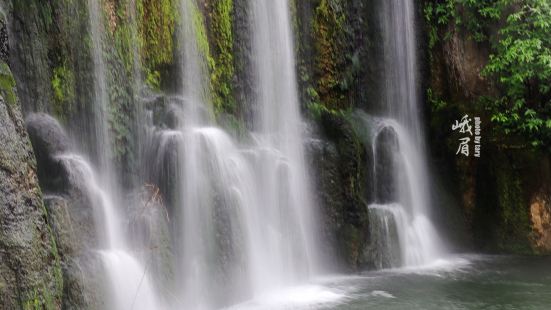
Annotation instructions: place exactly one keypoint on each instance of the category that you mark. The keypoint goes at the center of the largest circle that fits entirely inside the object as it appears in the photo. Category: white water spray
(400, 212)
(284, 182)
(130, 283)
(129, 280)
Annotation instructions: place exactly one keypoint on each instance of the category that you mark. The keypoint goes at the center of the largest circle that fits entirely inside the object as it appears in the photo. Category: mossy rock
(30, 270)
(7, 84)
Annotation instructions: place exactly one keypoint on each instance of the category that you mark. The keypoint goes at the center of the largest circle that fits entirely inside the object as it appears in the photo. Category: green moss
(40, 299)
(33, 302)
(63, 83)
(156, 24)
(436, 103)
(222, 72)
(7, 84)
(153, 79)
(514, 227)
(58, 274)
(119, 57)
(201, 35)
(48, 295)
(329, 33)
(203, 44)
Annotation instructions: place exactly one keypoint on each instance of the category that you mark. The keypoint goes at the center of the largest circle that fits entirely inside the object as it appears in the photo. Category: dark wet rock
(164, 150)
(154, 105)
(46, 134)
(243, 61)
(49, 140)
(172, 111)
(29, 53)
(386, 150)
(84, 279)
(4, 44)
(324, 160)
(172, 116)
(30, 274)
(69, 203)
(340, 170)
(83, 271)
(383, 249)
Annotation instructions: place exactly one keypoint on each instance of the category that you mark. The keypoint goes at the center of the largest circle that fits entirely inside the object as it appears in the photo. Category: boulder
(48, 140)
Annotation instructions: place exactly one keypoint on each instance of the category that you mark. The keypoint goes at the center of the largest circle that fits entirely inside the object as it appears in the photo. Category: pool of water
(460, 282)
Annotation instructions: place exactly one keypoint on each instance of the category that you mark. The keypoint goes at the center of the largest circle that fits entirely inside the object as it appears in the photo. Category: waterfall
(129, 280)
(399, 212)
(207, 182)
(284, 182)
(243, 212)
(130, 283)
(140, 133)
(101, 97)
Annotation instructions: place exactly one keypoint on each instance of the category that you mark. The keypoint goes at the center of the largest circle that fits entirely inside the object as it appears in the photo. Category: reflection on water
(462, 282)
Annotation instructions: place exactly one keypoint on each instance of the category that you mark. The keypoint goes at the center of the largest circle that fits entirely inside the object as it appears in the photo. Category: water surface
(462, 282)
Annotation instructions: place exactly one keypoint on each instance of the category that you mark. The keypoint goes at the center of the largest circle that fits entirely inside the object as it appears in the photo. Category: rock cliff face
(30, 274)
(540, 213)
(503, 194)
(69, 205)
(339, 163)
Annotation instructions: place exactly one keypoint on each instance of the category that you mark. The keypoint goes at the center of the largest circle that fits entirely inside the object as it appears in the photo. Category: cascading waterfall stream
(284, 180)
(196, 249)
(244, 219)
(139, 102)
(208, 184)
(402, 217)
(101, 97)
(400, 208)
(129, 280)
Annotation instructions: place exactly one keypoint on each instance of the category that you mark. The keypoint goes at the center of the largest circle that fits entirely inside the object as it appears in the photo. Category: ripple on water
(384, 294)
(299, 297)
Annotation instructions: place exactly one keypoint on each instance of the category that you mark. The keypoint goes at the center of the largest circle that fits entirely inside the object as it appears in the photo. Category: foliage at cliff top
(520, 60)
(522, 64)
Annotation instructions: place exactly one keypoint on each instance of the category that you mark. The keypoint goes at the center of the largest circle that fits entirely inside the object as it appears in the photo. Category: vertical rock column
(30, 276)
